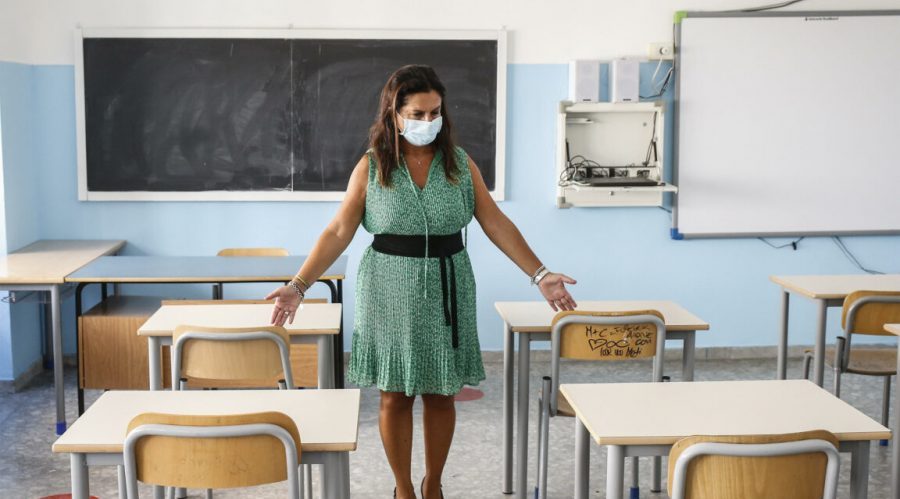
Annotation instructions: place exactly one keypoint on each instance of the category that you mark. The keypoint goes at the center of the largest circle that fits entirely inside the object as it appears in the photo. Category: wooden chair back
(253, 252)
(866, 312)
(212, 463)
(304, 358)
(256, 362)
(797, 476)
(585, 340)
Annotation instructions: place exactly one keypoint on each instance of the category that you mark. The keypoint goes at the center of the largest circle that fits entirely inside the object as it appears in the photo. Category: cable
(766, 7)
(651, 147)
(792, 244)
(840, 244)
(664, 87)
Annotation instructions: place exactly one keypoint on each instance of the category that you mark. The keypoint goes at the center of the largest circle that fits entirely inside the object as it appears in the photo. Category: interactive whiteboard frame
(881, 219)
(277, 33)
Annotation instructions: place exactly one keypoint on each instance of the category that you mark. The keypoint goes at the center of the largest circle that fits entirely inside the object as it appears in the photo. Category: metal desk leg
(782, 340)
(895, 442)
(819, 363)
(687, 356)
(79, 470)
(78, 289)
(344, 458)
(325, 364)
(859, 470)
(522, 416)
(56, 333)
(582, 460)
(615, 471)
(507, 409)
(337, 296)
(154, 359)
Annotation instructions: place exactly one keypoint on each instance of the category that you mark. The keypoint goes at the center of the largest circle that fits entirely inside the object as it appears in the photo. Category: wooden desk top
(199, 269)
(50, 261)
(328, 420)
(663, 413)
(824, 287)
(892, 328)
(536, 316)
(315, 318)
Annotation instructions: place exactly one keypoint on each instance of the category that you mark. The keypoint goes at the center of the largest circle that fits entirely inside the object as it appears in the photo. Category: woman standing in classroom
(414, 329)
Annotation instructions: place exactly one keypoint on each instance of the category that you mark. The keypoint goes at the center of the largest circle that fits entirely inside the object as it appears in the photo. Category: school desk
(328, 421)
(531, 320)
(316, 323)
(646, 419)
(827, 291)
(207, 269)
(43, 266)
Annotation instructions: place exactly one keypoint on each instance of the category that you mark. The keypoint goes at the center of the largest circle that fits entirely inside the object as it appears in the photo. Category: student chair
(304, 357)
(212, 452)
(790, 466)
(598, 336)
(864, 312)
(204, 356)
(218, 288)
(259, 357)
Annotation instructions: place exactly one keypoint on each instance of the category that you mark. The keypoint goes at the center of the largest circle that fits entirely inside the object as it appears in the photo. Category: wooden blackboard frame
(84, 194)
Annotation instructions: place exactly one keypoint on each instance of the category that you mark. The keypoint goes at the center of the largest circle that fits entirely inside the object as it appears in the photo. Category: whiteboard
(788, 124)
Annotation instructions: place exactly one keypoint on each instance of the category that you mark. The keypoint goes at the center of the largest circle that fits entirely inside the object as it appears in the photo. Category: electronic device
(624, 80)
(584, 81)
(620, 182)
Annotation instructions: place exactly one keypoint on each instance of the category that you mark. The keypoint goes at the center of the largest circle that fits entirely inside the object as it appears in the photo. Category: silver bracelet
(293, 285)
(542, 273)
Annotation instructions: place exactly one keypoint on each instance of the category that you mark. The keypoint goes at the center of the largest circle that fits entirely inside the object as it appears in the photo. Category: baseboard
(22, 380)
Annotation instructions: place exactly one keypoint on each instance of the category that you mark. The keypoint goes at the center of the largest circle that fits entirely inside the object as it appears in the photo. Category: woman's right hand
(287, 301)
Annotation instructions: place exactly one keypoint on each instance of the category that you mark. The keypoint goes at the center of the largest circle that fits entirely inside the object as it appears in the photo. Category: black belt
(442, 247)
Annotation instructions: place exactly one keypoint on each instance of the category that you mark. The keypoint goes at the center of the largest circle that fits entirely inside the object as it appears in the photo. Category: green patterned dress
(400, 340)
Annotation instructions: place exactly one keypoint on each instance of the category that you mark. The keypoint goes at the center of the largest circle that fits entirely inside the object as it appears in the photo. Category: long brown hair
(384, 138)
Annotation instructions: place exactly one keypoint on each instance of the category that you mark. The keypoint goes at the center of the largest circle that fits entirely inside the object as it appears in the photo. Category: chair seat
(870, 361)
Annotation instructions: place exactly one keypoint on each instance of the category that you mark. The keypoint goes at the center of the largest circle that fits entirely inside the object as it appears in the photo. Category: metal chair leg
(308, 485)
(886, 407)
(543, 438)
(807, 360)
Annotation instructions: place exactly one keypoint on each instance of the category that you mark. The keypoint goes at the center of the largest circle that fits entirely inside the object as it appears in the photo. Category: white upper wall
(540, 31)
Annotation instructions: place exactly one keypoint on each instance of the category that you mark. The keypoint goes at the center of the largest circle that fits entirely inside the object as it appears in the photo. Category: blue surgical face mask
(421, 133)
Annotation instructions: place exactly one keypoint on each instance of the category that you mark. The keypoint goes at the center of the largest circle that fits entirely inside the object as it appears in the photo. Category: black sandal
(422, 489)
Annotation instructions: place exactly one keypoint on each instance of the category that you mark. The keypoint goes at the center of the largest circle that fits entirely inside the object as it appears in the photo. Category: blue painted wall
(615, 253)
(20, 344)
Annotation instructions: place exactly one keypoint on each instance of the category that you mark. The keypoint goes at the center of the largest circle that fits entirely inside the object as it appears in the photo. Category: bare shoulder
(359, 178)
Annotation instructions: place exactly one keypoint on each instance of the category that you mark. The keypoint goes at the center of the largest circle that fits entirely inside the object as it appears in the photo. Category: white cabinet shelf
(623, 140)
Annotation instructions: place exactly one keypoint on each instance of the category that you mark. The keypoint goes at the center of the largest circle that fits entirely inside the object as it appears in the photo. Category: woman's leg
(395, 423)
(439, 418)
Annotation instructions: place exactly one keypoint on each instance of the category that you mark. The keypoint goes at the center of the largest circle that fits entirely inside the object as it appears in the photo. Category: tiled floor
(29, 470)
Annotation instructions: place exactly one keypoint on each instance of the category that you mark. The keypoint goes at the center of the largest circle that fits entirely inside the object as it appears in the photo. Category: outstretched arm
(332, 242)
(506, 236)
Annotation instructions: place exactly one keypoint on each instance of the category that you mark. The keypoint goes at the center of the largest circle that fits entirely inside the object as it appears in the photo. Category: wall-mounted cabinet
(610, 154)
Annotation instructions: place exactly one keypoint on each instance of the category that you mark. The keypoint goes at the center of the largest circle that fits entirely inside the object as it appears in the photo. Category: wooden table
(826, 291)
(315, 323)
(646, 419)
(531, 320)
(895, 449)
(208, 269)
(328, 421)
(43, 266)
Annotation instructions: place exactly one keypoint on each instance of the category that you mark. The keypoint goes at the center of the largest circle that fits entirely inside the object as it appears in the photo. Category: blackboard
(183, 115)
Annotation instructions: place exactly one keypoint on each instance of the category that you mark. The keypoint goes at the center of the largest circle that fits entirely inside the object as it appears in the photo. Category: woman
(414, 328)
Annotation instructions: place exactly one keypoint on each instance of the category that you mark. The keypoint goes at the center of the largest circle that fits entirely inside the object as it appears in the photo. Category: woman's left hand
(553, 287)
